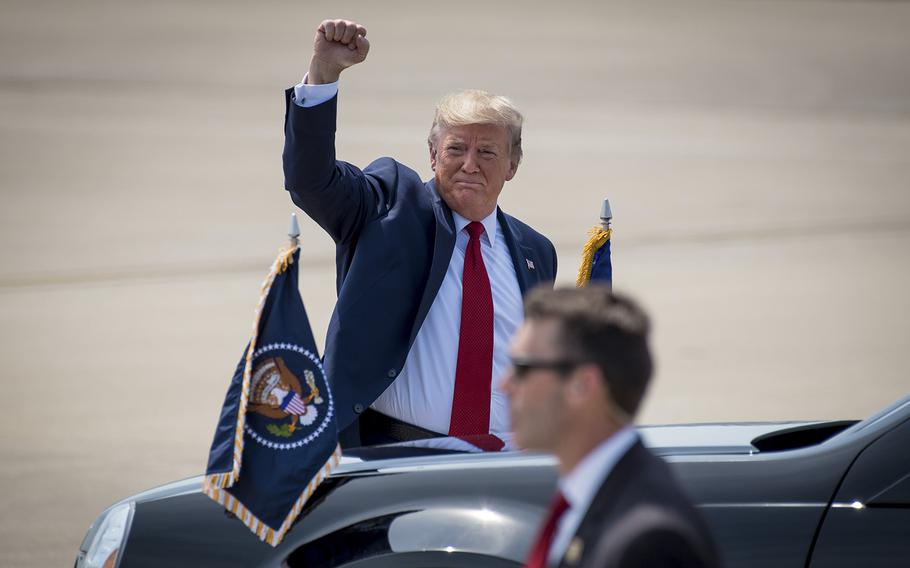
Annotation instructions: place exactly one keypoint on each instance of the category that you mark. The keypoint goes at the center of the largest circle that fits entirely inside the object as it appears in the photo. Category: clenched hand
(338, 45)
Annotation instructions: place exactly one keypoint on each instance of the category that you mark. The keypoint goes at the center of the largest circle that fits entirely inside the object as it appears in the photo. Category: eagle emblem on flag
(277, 394)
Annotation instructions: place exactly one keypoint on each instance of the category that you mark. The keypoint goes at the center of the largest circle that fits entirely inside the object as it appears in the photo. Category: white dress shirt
(581, 484)
(422, 393)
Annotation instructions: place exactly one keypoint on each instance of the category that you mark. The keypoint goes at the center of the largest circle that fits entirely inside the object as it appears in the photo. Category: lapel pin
(530, 264)
(573, 553)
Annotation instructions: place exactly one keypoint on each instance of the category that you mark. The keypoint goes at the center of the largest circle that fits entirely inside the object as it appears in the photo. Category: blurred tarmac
(756, 154)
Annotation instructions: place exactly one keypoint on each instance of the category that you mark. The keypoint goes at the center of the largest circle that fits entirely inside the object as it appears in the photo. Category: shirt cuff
(307, 96)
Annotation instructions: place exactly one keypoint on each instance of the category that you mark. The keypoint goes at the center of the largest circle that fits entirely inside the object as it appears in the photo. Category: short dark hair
(601, 327)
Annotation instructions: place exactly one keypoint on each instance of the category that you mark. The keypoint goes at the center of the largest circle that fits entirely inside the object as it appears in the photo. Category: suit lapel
(593, 523)
(443, 245)
(523, 258)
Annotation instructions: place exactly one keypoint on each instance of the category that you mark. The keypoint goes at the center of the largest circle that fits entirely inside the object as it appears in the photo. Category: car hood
(663, 440)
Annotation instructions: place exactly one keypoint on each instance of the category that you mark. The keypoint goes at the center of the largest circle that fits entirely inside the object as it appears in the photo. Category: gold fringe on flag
(597, 237)
(260, 529)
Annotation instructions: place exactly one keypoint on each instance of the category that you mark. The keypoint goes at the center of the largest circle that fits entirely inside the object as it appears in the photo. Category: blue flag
(596, 264)
(277, 438)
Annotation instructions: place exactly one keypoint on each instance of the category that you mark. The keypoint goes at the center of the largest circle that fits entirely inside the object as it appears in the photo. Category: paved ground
(755, 152)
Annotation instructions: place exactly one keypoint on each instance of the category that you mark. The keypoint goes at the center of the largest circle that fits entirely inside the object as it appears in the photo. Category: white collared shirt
(581, 484)
(422, 393)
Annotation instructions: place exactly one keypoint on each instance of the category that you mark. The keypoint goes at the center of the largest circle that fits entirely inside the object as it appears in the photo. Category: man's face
(536, 396)
(472, 163)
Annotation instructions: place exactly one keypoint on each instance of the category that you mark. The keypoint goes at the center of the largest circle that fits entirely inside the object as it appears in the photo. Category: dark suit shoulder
(663, 542)
(387, 164)
(641, 516)
(652, 482)
(393, 177)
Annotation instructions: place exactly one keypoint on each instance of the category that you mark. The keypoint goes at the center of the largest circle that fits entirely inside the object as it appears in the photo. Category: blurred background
(756, 154)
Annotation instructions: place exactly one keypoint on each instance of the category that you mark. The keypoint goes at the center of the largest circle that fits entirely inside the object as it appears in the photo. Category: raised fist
(338, 45)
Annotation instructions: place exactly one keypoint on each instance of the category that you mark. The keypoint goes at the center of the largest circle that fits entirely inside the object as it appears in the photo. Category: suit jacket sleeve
(335, 194)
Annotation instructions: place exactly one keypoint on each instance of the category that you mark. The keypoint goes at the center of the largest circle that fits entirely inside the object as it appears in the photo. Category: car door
(868, 523)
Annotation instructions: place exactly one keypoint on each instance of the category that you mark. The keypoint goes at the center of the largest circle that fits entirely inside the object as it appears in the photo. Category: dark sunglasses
(523, 366)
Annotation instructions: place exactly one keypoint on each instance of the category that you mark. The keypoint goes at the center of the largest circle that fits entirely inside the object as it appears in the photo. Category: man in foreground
(430, 275)
(580, 367)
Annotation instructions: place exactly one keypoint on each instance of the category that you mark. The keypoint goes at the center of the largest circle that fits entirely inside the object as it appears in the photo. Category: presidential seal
(287, 407)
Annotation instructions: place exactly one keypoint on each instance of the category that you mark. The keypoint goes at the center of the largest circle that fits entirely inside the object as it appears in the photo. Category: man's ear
(432, 155)
(513, 168)
(582, 384)
(617, 414)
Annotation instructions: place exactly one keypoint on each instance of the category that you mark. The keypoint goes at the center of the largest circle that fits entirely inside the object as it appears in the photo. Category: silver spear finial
(606, 215)
(294, 230)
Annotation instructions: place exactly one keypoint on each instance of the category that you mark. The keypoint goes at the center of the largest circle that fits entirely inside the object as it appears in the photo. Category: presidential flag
(596, 264)
(277, 438)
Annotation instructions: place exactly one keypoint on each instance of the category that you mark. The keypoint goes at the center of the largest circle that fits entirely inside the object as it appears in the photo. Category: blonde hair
(478, 107)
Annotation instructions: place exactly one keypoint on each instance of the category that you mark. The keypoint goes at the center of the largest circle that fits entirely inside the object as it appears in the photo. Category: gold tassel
(285, 259)
(597, 237)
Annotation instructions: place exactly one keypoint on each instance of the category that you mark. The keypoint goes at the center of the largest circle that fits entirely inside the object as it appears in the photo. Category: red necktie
(541, 550)
(474, 370)
(485, 442)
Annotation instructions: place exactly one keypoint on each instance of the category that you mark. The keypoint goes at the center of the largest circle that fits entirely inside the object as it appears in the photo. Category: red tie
(474, 371)
(485, 442)
(541, 550)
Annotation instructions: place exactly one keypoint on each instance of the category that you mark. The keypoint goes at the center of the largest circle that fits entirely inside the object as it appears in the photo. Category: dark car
(831, 494)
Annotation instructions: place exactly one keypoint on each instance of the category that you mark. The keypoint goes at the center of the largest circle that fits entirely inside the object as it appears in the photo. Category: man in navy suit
(580, 367)
(430, 275)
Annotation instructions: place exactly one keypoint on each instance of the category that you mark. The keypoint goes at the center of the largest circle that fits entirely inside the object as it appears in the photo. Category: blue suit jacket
(394, 238)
